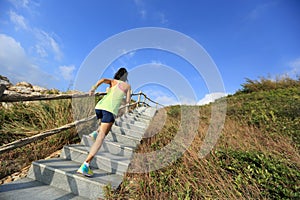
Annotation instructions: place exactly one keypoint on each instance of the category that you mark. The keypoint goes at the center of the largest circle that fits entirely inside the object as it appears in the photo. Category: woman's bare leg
(103, 130)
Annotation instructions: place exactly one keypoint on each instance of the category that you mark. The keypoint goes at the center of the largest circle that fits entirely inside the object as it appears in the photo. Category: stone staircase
(57, 178)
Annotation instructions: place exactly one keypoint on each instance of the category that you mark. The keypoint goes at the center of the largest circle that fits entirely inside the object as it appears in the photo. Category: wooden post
(139, 99)
(144, 100)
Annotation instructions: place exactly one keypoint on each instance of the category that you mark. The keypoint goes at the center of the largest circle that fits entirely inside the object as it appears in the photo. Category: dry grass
(191, 177)
(21, 120)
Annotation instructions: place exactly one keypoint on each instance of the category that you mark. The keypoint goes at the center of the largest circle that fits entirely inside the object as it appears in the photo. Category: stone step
(57, 178)
(102, 160)
(129, 117)
(116, 148)
(61, 173)
(28, 188)
(129, 132)
(139, 115)
(143, 124)
(130, 126)
(148, 111)
(124, 139)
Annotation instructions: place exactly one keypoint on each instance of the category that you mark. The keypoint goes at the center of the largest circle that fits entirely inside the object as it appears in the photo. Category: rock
(38, 89)
(36, 94)
(4, 81)
(24, 84)
(9, 92)
(2, 89)
(21, 89)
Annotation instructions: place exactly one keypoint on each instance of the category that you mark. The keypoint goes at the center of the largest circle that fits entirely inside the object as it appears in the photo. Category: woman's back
(115, 94)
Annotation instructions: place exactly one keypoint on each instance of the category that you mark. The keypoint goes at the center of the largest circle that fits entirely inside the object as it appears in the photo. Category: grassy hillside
(257, 156)
(21, 120)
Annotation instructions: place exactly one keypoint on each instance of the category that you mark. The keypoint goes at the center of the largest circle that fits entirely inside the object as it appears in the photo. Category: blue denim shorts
(105, 116)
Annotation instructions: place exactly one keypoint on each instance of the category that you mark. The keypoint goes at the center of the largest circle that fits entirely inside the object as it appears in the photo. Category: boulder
(21, 89)
(39, 89)
(24, 84)
(2, 89)
(4, 81)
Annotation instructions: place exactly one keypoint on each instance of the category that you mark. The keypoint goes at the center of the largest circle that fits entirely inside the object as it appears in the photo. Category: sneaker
(93, 135)
(85, 170)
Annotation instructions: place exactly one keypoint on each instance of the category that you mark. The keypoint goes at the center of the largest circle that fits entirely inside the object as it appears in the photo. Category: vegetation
(256, 157)
(19, 120)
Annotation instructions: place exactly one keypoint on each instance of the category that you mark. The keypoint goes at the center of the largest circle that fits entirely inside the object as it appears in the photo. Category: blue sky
(48, 42)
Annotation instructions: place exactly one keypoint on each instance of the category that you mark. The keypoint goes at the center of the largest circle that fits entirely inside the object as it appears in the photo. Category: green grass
(256, 157)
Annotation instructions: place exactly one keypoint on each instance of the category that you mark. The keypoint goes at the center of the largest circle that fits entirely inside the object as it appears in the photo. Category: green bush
(276, 179)
(266, 84)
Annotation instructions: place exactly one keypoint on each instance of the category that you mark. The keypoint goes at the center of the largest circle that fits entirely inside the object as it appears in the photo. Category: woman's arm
(128, 96)
(94, 87)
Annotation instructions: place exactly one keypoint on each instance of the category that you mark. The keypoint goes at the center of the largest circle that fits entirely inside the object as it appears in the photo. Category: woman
(106, 111)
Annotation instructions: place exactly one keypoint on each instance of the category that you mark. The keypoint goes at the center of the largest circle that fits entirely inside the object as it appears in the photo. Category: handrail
(27, 140)
(18, 97)
(146, 97)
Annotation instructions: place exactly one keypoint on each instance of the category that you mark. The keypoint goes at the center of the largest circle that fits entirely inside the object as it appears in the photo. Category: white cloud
(20, 3)
(162, 18)
(295, 67)
(40, 50)
(67, 72)
(26, 5)
(259, 10)
(166, 100)
(12, 53)
(44, 43)
(156, 63)
(211, 98)
(16, 65)
(18, 20)
(144, 13)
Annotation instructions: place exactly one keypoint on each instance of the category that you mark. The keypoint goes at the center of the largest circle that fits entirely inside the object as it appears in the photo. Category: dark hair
(121, 74)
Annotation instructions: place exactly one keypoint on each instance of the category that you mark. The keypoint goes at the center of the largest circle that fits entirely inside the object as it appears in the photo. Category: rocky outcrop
(23, 88)
(4, 81)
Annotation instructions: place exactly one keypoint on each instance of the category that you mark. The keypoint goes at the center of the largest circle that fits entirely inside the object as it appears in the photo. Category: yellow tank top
(112, 100)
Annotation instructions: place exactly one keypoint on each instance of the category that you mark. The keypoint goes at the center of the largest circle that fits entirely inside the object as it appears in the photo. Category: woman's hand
(91, 92)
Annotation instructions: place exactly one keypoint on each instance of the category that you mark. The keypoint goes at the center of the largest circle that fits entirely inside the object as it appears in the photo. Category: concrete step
(129, 132)
(124, 139)
(102, 160)
(28, 188)
(57, 178)
(130, 126)
(139, 115)
(148, 111)
(143, 124)
(128, 117)
(116, 148)
(61, 173)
